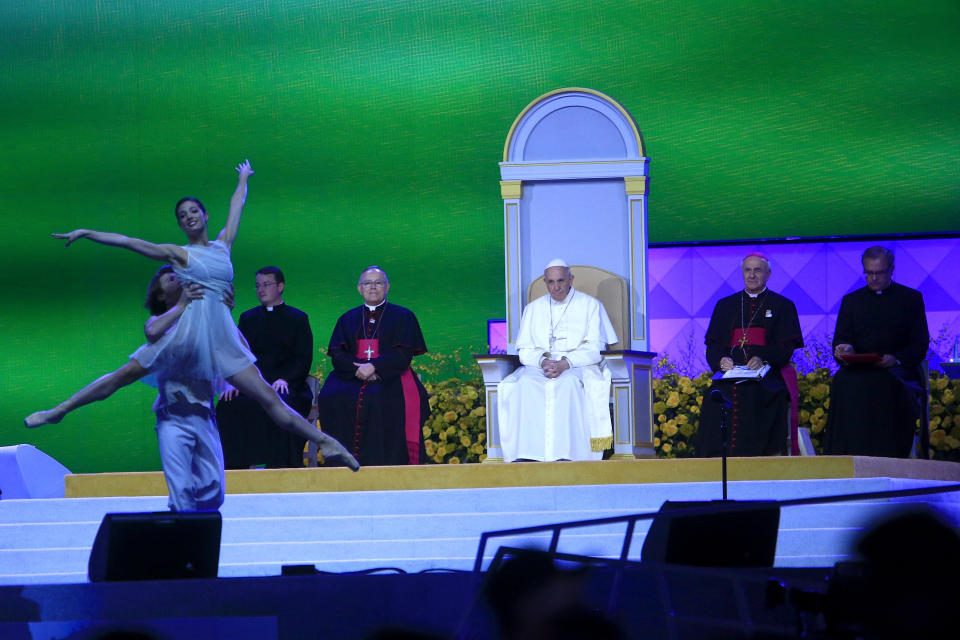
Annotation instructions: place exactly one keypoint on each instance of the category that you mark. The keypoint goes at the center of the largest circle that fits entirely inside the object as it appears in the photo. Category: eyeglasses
(875, 274)
(372, 283)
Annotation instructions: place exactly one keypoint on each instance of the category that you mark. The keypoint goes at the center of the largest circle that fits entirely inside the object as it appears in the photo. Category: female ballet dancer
(205, 344)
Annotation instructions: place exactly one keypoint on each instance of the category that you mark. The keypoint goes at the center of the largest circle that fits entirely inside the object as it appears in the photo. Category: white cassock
(568, 417)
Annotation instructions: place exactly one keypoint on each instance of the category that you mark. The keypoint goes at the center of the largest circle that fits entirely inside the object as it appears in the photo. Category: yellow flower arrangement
(456, 430)
(944, 417)
(676, 410)
(677, 400)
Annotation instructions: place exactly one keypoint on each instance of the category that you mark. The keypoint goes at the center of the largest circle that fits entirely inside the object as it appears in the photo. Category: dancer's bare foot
(331, 448)
(40, 418)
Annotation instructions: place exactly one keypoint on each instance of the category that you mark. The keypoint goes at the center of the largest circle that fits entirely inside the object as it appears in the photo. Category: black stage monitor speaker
(156, 546)
(725, 533)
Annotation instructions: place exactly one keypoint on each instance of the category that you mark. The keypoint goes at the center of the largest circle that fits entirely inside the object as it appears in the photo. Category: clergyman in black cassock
(874, 406)
(752, 327)
(280, 337)
(372, 401)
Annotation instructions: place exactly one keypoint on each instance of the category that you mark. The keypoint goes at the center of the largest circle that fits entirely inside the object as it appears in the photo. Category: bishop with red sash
(752, 328)
(372, 402)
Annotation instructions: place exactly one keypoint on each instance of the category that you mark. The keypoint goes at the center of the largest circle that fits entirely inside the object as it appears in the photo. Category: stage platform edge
(528, 474)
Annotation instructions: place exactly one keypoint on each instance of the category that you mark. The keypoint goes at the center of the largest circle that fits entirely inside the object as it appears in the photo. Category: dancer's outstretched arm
(162, 252)
(239, 198)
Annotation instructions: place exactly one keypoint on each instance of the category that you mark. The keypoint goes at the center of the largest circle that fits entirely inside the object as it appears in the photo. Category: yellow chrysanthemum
(667, 447)
(673, 399)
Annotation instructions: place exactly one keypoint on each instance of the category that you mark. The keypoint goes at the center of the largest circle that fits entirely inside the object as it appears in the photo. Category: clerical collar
(565, 300)
(754, 295)
(269, 309)
(372, 309)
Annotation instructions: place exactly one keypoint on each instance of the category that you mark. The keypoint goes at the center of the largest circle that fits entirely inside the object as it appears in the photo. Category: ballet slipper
(40, 418)
(331, 448)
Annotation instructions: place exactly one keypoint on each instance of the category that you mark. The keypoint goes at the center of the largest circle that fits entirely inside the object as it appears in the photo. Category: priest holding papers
(557, 405)
(880, 340)
(752, 336)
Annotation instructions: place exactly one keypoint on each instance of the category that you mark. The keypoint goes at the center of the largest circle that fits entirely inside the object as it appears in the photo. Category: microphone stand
(723, 448)
(717, 396)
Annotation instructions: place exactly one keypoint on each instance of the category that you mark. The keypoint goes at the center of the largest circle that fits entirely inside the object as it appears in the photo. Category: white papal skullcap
(556, 262)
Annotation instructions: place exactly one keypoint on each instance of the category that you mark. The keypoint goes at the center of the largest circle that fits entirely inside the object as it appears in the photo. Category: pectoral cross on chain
(743, 338)
(369, 352)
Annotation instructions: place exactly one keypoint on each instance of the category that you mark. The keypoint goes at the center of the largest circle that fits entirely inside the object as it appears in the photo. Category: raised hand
(71, 237)
(244, 168)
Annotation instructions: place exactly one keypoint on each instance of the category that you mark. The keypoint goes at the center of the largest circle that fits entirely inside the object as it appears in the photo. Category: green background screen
(375, 129)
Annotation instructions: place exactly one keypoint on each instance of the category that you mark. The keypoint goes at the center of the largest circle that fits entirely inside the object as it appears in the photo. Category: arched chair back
(609, 288)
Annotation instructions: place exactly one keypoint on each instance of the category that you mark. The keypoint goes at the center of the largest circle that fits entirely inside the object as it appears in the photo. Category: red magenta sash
(368, 349)
(411, 410)
(751, 335)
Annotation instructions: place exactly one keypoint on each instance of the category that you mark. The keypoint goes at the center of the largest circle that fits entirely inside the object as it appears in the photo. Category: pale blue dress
(204, 344)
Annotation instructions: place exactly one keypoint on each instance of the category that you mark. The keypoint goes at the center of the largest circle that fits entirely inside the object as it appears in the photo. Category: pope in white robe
(556, 406)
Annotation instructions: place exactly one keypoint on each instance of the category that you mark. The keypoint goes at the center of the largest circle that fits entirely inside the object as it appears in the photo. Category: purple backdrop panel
(686, 282)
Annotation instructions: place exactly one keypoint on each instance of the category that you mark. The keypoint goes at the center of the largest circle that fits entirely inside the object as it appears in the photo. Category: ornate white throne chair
(574, 186)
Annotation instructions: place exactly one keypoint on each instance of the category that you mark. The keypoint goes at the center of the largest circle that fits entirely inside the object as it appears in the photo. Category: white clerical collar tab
(269, 308)
(372, 309)
(754, 295)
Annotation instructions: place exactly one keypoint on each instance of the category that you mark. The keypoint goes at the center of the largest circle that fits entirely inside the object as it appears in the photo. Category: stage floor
(530, 474)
